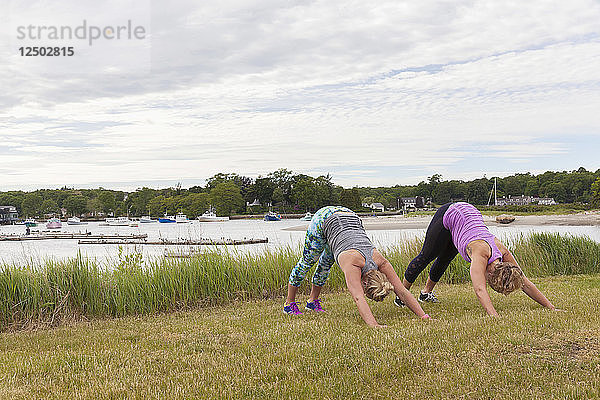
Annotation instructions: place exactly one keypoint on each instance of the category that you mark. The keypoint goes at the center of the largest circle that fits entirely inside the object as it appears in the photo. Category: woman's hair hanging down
(376, 285)
(506, 278)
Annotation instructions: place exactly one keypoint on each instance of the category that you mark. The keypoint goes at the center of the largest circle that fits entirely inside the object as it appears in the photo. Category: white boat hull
(120, 221)
(212, 219)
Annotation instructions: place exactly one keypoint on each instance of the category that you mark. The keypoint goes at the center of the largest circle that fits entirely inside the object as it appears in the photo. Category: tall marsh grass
(79, 288)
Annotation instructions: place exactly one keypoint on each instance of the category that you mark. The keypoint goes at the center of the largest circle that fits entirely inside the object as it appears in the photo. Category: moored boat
(118, 221)
(271, 216)
(181, 218)
(505, 218)
(211, 216)
(75, 221)
(167, 219)
(30, 222)
(146, 219)
(307, 217)
(53, 223)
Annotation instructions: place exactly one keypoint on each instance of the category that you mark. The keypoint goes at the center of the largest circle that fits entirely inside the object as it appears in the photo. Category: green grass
(45, 294)
(251, 350)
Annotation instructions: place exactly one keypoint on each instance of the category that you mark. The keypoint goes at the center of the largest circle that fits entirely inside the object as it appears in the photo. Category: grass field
(250, 349)
(47, 293)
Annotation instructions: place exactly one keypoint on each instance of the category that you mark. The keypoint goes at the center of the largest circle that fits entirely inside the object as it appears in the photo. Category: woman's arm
(479, 252)
(353, 275)
(534, 293)
(477, 270)
(528, 287)
(408, 299)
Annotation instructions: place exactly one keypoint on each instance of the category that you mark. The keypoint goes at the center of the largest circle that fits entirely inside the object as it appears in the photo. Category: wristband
(425, 316)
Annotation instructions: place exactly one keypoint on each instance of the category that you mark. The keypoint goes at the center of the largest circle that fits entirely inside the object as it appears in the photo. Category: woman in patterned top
(336, 234)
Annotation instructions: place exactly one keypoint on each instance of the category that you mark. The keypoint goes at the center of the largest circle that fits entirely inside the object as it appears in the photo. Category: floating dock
(66, 235)
(167, 242)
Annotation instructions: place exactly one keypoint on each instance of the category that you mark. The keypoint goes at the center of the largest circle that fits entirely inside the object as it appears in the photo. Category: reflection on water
(27, 251)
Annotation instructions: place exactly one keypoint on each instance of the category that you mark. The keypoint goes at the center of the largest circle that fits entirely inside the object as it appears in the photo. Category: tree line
(287, 192)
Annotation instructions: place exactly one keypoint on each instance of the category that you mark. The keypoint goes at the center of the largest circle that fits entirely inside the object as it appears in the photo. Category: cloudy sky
(372, 92)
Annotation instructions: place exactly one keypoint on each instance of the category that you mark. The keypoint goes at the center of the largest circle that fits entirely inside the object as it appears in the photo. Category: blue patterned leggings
(316, 249)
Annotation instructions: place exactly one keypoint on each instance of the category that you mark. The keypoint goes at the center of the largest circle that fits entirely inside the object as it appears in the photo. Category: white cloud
(305, 85)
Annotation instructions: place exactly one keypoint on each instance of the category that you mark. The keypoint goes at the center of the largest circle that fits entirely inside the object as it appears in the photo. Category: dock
(182, 242)
(68, 235)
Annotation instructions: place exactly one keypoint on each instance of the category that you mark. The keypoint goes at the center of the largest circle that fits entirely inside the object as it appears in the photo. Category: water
(37, 251)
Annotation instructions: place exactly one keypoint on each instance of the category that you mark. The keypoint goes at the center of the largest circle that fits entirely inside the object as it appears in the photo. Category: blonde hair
(506, 278)
(376, 285)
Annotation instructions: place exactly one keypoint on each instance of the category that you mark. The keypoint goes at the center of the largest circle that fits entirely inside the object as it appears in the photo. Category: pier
(182, 242)
(68, 235)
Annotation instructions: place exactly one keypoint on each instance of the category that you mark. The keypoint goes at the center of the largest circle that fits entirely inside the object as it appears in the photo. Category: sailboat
(495, 193)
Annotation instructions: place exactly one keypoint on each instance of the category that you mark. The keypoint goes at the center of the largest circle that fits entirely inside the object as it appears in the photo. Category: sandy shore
(421, 222)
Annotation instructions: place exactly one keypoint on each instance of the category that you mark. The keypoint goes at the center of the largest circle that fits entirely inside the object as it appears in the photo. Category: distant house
(374, 206)
(412, 202)
(545, 201)
(8, 215)
(515, 201)
(377, 207)
(408, 202)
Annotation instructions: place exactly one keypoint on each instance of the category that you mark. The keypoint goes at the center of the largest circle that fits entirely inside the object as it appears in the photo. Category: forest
(288, 192)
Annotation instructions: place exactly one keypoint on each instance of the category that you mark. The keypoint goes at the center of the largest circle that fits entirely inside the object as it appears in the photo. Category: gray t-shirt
(345, 231)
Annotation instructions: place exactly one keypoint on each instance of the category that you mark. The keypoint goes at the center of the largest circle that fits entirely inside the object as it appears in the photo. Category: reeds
(53, 291)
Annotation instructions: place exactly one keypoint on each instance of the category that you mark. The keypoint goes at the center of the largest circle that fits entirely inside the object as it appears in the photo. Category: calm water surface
(36, 251)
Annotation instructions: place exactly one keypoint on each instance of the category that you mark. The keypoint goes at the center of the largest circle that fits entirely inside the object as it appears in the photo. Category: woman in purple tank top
(459, 228)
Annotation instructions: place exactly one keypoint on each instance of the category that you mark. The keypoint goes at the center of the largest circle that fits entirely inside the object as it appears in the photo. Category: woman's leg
(440, 265)
(321, 274)
(314, 245)
(312, 251)
(436, 239)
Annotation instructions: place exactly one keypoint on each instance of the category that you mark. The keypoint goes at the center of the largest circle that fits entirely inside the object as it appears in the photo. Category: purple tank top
(465, 223)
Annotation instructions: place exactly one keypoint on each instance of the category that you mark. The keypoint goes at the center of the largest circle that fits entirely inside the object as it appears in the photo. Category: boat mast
(495, 191)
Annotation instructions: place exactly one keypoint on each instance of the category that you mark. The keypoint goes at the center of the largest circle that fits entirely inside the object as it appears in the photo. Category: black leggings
(438, 244)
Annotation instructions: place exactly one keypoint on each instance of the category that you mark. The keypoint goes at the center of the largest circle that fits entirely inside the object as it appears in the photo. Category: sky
(374, 93)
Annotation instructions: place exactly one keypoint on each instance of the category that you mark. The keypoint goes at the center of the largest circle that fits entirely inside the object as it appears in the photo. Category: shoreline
(422, 222)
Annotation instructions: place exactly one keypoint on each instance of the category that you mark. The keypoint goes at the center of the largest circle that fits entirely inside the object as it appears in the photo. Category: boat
(271, 216)
(119, 221)
(53, 223)
(181, 218)
(30, 222)
(146, 219)
(307, 217)
(211, 216)
(505, 218)
(75, 221)
(167, 219)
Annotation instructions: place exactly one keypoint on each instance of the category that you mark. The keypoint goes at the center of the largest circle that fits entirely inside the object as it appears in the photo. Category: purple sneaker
(292, 309)
(314, 306)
